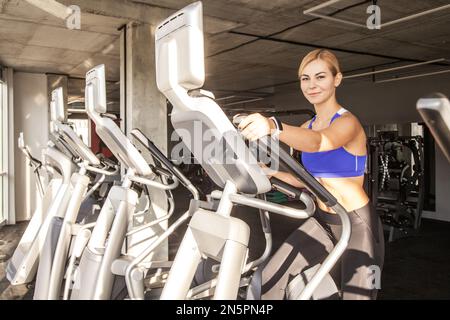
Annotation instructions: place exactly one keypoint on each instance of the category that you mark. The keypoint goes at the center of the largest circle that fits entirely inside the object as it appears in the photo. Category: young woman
(333, 146)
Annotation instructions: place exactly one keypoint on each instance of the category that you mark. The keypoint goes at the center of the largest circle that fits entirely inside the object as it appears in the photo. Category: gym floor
(10, 237)
(416, 267)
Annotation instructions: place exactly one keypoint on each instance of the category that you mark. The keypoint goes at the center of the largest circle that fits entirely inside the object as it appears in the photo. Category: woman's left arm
(338, 134)
(342, 131)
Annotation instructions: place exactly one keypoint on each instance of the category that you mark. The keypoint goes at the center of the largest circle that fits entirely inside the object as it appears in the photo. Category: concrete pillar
(31, 117)
(144, 107)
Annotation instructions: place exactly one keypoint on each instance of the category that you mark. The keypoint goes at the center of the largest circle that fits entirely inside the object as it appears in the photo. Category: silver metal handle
(102, 171)
(273, 207)
(94, 187)
(149, 249)
(334, 255)
(156, 184)
(81, 241)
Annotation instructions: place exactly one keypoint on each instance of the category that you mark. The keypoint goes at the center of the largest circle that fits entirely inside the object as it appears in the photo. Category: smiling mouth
(314, 94)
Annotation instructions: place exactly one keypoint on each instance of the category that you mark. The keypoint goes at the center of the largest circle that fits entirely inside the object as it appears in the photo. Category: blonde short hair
(321, 54)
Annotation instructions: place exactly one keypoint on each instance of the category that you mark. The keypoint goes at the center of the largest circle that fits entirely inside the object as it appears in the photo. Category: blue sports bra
(338, 163)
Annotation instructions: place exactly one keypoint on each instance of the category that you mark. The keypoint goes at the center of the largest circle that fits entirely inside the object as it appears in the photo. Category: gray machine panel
(107, 129)
(435, 110)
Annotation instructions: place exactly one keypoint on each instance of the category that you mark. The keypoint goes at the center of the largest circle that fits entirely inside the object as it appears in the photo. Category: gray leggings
(312, 242)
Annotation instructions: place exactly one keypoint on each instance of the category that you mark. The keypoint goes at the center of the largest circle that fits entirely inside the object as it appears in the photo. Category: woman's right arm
(288, 178)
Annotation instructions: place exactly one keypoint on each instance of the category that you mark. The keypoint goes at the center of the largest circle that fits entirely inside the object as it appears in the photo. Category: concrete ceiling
(253, 47)
(34, 40)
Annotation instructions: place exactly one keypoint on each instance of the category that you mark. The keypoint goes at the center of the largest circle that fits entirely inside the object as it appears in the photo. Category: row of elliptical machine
(116, 243)
(108, 253)
(116, 252)
(61, 244)
(52, 260)
(44, 245)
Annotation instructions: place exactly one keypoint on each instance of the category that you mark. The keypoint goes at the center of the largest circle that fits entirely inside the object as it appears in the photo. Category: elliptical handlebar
(114, 171)
(329, 200)
(161, 171)
(33, 161)
(287, 189)
(272, 207)
(107, 162)
(155, 184)
(159, 156)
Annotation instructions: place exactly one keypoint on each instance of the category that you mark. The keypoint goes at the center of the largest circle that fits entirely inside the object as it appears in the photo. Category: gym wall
(30, 117)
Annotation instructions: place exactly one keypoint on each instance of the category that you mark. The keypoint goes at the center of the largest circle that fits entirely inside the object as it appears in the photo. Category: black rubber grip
(281, 186)
(155, 152)
(163, 171)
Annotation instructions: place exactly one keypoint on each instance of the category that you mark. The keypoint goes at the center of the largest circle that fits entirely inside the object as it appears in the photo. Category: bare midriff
(349, 192)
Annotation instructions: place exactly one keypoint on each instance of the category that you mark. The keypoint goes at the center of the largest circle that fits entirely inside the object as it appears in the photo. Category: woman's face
(317, 82)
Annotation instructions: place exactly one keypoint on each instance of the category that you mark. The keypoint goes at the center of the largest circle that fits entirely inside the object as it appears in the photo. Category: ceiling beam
(305, 44)
(52, 7)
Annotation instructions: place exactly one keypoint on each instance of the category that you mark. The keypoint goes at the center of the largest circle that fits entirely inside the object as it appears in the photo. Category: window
(3, 152)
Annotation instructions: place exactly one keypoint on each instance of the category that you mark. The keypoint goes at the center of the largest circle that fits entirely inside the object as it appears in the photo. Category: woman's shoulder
(346, 114)
(347, 118)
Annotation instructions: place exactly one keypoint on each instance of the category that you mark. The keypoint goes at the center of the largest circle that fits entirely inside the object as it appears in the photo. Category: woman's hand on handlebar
(256, 126)
(289, 178)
